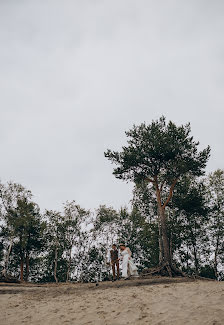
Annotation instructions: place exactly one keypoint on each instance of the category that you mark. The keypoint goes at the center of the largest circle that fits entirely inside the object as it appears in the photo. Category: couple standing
(128, 266)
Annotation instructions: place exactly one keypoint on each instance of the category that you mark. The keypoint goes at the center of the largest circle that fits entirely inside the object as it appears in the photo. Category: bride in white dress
(128, 266)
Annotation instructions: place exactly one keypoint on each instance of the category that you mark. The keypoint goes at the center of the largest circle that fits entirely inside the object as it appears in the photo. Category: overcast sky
(75, 75)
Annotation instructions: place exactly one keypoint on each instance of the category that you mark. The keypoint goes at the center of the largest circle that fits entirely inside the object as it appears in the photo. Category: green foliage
(207, 271)
(75, 218)
(144, 200)
(21, 229)
(158, 149)
(192, 214)
(105, 216)
(215, 199)
(1, 254)
(160, 154)
(132, 228)
(94, 268)
(27, 228)
(187, 221)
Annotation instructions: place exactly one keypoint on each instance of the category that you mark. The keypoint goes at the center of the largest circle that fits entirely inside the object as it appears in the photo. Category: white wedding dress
(128, 266)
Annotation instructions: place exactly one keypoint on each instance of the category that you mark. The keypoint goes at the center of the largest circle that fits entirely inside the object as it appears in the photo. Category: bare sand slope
(145, 301)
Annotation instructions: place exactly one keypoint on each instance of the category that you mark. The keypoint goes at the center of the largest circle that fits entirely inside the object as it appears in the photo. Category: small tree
(160, 154)
(74, 217)
(55, 237)
(26, 223)
(106, 225)
(215, 193)
(189, 204)
(10, 194)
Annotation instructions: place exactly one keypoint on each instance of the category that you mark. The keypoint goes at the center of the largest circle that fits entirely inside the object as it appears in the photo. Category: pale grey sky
(75, 74)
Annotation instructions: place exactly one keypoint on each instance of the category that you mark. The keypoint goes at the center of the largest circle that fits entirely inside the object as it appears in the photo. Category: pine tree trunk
(27, 267)
(4, 271)
(171, 247)
(187, 258)
(165, 248)
(160, 244)
(165, 241)
(215, 257)
(21, 268)
(195, 259)
(55, 264)
(68, 277)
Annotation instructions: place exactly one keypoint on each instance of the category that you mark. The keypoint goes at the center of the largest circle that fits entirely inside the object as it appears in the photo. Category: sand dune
(143, 301)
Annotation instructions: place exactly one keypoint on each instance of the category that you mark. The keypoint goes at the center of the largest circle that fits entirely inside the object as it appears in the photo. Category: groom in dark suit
(114, 261)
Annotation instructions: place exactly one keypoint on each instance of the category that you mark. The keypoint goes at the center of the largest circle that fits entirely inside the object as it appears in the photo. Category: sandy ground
(143, 301)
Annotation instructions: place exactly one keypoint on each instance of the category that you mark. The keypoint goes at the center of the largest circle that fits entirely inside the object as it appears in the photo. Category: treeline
(176, 220)
(73, 245)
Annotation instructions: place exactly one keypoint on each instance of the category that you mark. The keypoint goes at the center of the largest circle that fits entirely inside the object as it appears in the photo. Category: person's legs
(113, 270)
(118, 271)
